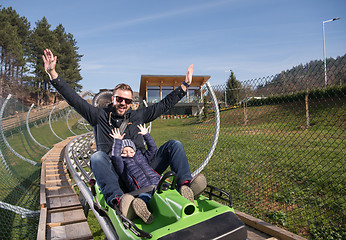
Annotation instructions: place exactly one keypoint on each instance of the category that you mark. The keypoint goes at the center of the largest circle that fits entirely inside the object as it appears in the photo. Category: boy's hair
(128, 143)
(123, 86)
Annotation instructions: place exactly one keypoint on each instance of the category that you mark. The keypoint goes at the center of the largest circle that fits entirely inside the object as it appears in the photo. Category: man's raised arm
(86, 110)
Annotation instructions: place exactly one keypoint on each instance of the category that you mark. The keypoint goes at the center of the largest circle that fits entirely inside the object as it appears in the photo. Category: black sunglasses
(121, 99)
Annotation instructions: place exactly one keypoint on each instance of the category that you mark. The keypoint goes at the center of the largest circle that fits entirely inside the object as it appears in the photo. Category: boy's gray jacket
(103, 120)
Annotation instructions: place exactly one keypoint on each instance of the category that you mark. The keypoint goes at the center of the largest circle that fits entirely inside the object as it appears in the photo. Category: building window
(193, 97)
(166, 91)
(194, 94)
(153, 94)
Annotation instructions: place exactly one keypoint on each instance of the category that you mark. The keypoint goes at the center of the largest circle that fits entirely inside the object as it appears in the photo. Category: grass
(95, 228)
(275, 169)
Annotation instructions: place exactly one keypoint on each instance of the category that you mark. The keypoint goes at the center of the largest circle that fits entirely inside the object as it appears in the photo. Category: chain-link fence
(280, 151)
(26, 135)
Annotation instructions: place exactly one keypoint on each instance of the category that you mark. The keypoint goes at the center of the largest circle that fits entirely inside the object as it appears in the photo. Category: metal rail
(73, 152)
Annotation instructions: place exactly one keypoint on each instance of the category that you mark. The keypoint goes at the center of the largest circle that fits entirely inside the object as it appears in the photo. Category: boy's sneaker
(187, 193)
(142, 211)
(198, 184)
(125, 206)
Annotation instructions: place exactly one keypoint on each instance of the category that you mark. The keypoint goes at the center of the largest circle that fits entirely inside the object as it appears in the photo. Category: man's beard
(121, 110)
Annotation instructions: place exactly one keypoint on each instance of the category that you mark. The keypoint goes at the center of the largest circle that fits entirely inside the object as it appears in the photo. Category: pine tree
(68, 58)
(21, 49)
(233, 90)
(42, 38)
(14, 32)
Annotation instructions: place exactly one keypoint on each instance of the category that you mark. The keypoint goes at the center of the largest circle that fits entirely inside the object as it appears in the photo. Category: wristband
(185, 84)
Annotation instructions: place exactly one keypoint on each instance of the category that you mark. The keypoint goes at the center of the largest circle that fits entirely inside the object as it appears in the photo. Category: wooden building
(154, 88)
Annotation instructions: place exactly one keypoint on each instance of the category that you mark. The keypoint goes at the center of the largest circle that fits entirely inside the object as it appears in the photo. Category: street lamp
(324, 50)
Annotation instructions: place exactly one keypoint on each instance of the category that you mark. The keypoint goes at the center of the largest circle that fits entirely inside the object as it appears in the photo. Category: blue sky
(124, 39)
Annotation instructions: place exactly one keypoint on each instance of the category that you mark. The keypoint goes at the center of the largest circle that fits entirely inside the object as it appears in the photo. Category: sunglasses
(121, 99)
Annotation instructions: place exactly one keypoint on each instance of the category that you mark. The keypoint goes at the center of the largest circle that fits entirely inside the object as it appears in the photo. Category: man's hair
(122, 86)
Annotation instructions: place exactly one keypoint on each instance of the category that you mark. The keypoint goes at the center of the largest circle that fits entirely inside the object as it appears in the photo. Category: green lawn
(275, 169)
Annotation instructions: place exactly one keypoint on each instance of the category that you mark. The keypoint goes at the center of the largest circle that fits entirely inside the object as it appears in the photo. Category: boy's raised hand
(116, 134)
(143, 129)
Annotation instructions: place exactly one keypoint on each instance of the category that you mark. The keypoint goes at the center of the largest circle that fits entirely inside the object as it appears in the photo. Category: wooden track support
(62, 215)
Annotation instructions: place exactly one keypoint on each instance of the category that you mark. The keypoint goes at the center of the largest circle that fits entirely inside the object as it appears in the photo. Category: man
(103, 120)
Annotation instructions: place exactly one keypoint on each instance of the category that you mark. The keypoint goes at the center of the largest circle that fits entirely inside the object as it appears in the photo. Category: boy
(133, 168)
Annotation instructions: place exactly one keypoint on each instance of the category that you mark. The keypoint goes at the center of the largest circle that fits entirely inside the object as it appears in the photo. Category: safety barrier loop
(5, 141)
(5, 163)
(216, 133)
(68, 126)
(50, 124)
(23, 212)
(28, 128)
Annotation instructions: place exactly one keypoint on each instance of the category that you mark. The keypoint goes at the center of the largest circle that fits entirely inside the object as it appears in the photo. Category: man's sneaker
(142, 211)
(125, 206)
(187, 193)
(198, 185)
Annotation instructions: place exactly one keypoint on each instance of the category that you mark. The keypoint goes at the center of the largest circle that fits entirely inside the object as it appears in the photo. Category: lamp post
(324, 49)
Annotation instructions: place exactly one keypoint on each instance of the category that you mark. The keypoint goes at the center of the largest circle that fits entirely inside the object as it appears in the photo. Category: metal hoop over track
(68, 126)
(28, 128)
(5, 141)
(50, 124)
(216, 133)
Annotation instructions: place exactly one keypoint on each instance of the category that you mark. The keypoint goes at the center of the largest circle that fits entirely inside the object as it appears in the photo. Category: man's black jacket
(104, 119)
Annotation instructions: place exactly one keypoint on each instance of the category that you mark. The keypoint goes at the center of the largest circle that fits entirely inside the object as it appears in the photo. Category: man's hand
(188, 78)
(143, 129)
(116, 134)
(50, 63)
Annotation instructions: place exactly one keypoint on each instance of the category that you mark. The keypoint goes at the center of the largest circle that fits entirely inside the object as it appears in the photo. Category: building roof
(169, 80)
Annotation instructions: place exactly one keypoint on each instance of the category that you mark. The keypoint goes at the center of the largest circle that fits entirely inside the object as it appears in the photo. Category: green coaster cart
(175, 217)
